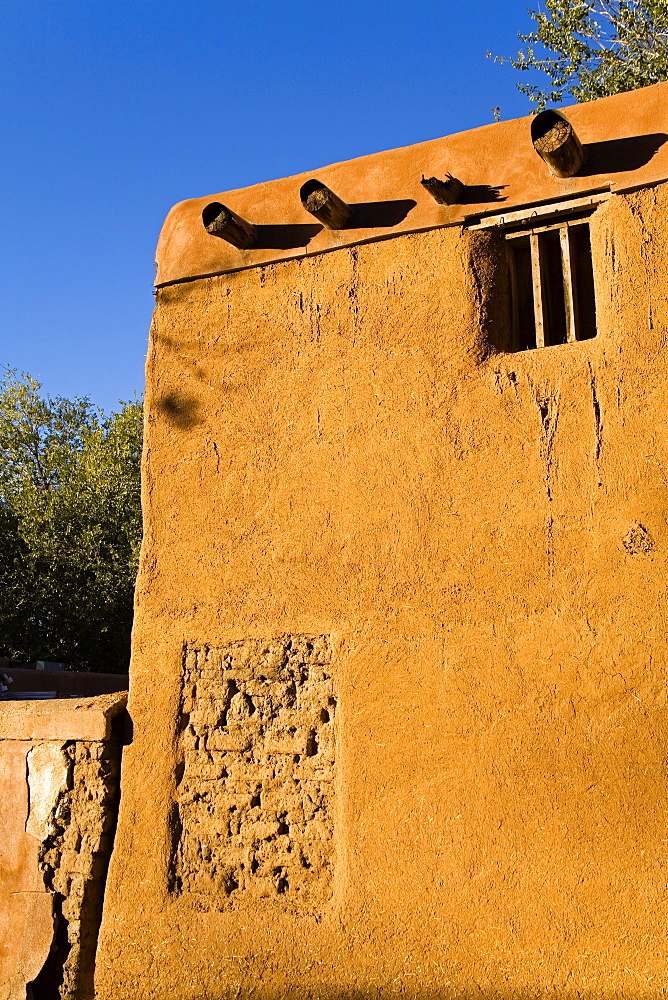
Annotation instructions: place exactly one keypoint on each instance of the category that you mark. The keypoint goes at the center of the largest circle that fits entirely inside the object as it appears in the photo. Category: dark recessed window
(551, 284)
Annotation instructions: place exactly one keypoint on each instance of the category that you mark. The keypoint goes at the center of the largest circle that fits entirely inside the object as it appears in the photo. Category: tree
(70, 527)
(594, 48)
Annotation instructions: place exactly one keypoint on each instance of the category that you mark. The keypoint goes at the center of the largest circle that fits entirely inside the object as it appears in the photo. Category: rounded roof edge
(624, 137)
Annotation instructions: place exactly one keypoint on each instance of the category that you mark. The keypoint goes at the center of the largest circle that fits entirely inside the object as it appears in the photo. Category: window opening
(551, 284)
(550, 270)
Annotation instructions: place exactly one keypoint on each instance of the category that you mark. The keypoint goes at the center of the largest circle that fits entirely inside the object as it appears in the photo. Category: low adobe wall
(59, 786)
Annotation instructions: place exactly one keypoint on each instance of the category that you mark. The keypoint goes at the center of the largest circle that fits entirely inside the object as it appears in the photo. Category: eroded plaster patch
(256, 789)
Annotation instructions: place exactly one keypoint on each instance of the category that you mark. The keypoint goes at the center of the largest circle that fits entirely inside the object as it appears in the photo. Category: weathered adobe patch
(256, 778)
(77, 833)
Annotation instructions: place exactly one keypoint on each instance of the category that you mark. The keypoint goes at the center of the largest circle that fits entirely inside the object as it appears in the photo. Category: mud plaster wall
(336, 448)
(58, 816)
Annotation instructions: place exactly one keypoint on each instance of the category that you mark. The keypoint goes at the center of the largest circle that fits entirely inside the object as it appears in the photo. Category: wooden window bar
(540, 277)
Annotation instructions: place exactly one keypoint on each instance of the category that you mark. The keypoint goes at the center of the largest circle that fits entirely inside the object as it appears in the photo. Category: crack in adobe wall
(256, 780)
(548, 407)
(598, 423)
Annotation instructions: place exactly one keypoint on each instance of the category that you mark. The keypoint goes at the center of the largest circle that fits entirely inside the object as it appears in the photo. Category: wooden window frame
(562, 312)
(564, 228)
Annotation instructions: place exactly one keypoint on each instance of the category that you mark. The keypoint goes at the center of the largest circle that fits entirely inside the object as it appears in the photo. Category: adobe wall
(398, 681)
(59, 783)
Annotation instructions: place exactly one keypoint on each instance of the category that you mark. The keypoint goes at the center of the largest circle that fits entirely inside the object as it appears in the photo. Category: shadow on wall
(481, 194)
(616, 155)
(489, 261)
(181, 410)
(285, 237)
(379, 214)
(365, 215)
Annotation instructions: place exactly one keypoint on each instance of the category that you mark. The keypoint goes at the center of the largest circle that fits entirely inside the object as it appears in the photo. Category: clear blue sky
(113, 111)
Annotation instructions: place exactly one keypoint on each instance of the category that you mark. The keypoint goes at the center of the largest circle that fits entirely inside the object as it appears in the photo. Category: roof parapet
(621, 141)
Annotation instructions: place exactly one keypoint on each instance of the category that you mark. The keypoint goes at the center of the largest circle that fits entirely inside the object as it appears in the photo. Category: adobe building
(398, 688)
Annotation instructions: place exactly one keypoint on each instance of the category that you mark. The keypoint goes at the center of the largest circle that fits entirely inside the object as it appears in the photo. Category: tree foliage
(594, 48)
(70, 527)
